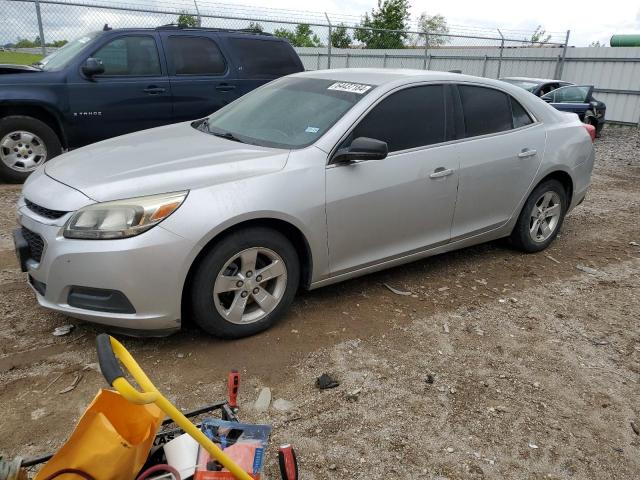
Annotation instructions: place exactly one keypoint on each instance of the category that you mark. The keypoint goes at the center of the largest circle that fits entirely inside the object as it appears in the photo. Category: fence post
(564, 55)
(40, 29)
(347, 63)
(384, 61)
(318, 62)
(426, 48)
(501, 51)
(484, 66)
(329, 43)
(198, 13)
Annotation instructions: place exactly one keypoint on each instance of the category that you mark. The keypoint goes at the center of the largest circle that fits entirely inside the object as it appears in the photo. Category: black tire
(210, 265)
(520, 236)
(40, 129)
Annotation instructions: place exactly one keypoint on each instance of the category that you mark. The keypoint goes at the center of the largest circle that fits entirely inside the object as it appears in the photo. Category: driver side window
(131, 56)
(413, 117)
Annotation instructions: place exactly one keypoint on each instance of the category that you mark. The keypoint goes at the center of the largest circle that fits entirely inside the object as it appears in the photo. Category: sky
(588, 20)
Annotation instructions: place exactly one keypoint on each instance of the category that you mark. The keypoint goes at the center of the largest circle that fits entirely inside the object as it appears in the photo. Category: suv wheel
(245, 283)
(25, 144)
(541, 217)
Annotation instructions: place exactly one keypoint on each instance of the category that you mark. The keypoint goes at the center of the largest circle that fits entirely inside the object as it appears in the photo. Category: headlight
(122, 218)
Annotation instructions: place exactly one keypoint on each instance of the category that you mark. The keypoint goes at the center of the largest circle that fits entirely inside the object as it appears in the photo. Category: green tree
(255, 27)
(57, 43)
(339, 37)
(187, 20)
(435, 28)
(390, 15)
(539, 35)
(302, 36)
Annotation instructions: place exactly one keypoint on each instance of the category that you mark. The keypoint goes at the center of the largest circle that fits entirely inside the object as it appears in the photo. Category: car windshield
(287, 113)
(526, 84)
(61, 57)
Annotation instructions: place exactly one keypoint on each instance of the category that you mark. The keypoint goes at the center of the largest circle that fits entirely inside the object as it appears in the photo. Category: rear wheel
(541, 217)
(25, 144)
(245, 283)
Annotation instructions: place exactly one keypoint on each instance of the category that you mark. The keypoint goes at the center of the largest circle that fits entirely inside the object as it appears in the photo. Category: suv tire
(25, 144)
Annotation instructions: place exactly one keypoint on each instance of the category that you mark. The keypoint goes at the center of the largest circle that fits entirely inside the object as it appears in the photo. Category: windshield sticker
(358, 88)
(312, 129)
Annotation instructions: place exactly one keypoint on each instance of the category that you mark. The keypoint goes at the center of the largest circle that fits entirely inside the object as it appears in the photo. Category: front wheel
(245, 283)
(541, 217)
(25, 144)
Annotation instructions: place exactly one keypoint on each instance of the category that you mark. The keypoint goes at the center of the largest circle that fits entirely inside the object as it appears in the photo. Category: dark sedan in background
(567, 97)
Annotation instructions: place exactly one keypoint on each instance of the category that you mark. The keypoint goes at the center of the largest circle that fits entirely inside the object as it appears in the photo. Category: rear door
(260, 59)
(202, 77)
(132, 94)
(500, 154)
(574, 98)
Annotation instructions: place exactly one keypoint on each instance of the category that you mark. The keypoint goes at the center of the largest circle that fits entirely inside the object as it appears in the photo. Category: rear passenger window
(196, 56)
(413, 117)
(485, 110)
(520, 115)
(134, 55)
(264, 58)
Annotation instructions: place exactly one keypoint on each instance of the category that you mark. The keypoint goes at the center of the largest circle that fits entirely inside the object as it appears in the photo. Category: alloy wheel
(22, 151)
(545, 216)
(250, 285)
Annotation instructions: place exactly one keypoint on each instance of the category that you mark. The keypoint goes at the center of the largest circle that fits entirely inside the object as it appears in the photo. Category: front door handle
(225, 87)
(153, 90)
(441, 172)
(527, 153)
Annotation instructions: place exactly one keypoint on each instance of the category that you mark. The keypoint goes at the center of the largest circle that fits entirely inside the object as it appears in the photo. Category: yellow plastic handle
(109, 352)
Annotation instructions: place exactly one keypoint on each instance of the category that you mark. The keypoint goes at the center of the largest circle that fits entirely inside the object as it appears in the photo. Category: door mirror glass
(362, 148)
(93, 66)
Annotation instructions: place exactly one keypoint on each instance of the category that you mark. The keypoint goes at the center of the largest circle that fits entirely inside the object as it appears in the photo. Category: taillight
(591, 130)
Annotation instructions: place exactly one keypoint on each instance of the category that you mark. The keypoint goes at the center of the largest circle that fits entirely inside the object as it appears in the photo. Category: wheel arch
(292, 232)
(564, 178)
(39, 112)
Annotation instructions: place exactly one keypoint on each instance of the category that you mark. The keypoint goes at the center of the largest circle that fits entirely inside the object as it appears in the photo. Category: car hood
(165, 159)
(6, 68)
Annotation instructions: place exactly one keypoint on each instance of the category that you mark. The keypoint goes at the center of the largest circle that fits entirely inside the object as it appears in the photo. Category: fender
(40, 108)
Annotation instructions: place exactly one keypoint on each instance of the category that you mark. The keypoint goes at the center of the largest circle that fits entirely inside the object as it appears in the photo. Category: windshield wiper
(226, 135)
(38, 65)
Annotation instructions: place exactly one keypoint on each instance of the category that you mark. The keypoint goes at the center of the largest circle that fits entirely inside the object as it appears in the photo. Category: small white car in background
(312, 179)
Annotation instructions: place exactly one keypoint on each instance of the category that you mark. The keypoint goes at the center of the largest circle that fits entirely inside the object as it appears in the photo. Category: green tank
(625, 40)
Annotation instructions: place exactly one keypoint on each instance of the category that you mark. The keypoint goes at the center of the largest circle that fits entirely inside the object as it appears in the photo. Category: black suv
(116, 81)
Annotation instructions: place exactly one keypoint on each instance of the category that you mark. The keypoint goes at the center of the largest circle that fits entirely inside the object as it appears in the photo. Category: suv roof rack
(174, 26)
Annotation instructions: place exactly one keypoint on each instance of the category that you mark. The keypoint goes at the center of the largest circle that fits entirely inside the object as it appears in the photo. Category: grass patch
(18, 58)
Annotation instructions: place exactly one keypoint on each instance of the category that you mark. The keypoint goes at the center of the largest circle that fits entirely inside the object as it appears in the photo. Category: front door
(202, 79)
(381, 209)
(132, 94)
(574, 98)
(499, 158)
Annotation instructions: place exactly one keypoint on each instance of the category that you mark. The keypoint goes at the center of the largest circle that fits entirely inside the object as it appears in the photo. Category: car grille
(36, 244)
(44, 212)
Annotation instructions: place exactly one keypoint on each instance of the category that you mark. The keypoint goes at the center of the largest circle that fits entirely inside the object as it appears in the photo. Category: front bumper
(149, 270)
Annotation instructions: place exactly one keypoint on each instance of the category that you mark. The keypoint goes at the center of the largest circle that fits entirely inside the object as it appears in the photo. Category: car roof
(530, 79)
(177, 28)
(383, 76)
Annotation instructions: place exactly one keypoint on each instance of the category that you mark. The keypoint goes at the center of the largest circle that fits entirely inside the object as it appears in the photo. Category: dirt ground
(534, 363)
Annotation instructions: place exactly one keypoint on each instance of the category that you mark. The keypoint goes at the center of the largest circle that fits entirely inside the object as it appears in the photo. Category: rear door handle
(441, 172)
(527, 153)
(225, 87)
(153, 90)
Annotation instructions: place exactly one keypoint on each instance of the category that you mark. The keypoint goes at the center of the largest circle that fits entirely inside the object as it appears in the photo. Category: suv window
(413, 117)
(132, 55)
(486, 110)
(264, 58)
(196, 56)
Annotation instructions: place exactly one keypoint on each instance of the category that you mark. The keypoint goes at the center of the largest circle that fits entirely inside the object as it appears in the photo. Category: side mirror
(93, 66)
(362, 148)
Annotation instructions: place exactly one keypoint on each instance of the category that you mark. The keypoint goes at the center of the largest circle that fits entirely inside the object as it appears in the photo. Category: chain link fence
(322, 41)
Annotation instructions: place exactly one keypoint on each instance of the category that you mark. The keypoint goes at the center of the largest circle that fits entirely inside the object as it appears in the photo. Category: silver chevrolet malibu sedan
(309, 180)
